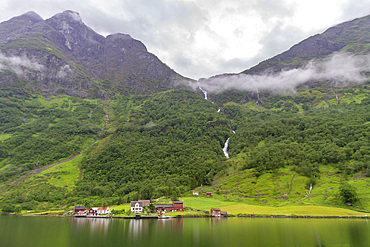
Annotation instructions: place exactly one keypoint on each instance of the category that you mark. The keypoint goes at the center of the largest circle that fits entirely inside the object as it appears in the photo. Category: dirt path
(38, 170)
(10, 158)
(291, 184)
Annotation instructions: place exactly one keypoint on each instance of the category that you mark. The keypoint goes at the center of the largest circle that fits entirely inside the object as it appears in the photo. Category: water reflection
(95, 225)
(207, 232)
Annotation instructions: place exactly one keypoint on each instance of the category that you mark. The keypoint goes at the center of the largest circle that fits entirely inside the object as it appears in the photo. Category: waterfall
(258, 98)
(336, 95)
(204, 91)
(309, 192)
(225, 148)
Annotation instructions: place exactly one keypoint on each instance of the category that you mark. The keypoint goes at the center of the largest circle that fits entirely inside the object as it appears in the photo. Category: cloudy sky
(202, 38)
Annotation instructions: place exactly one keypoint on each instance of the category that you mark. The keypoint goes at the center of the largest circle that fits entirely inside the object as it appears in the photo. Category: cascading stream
(225, 148)
(204, 91)
(226, 153)
(258, 98)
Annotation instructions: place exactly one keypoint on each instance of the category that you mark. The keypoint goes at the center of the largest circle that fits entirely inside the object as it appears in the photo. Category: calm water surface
(53, 231)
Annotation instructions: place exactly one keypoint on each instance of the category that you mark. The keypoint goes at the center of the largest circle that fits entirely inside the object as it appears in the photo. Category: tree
(348, 193)
(8, 208)
(151, 207)
(17, 209)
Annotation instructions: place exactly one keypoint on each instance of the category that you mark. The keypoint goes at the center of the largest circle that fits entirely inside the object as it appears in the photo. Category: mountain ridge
(337, 38)
(81, 55)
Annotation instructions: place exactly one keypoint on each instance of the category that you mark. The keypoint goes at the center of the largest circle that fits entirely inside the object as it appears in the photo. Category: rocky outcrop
(62, 55)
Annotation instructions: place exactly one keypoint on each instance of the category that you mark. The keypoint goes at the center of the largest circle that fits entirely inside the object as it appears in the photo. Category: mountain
(62, 55)
(352, 36)
(73, 130)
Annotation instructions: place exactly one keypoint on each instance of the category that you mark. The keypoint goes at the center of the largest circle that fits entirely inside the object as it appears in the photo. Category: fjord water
(54, 231)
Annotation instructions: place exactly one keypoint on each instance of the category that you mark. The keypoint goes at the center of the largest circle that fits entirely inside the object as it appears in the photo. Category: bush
(8, 208)
(348, 193)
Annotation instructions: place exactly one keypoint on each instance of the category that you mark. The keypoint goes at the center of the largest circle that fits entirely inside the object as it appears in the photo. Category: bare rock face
(62, 55)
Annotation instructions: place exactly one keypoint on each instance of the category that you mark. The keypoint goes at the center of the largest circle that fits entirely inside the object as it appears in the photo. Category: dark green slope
(165, 143)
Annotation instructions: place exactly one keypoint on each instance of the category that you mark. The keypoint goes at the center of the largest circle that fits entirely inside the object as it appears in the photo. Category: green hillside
(106, 122)
(169, 143)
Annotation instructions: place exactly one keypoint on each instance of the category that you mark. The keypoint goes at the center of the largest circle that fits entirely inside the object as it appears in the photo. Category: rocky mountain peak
(126, 41)
(68, 15)
(75, 32)
(75, 59)
(30, 16)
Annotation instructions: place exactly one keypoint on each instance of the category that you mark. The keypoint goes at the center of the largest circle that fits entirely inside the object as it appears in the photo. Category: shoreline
(198, 216)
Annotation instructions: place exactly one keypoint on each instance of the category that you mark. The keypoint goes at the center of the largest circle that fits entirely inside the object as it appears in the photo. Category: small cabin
(208, 193)
(223, 213)
(216, 212)
(195, 193)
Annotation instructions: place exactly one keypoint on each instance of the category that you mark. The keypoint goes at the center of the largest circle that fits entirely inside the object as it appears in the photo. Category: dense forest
(165, 144)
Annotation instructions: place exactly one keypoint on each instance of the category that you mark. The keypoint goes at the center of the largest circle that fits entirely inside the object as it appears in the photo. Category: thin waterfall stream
(226, 153)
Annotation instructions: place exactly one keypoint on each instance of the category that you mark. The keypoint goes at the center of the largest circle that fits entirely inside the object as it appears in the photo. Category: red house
(208, 193)
(178, 205)
(79, 208)
(164, 207)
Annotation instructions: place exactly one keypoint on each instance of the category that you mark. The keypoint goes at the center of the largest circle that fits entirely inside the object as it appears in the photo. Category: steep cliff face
(62, 55)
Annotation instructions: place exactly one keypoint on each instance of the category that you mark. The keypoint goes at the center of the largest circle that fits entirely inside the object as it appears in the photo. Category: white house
(137, 207)
(103, 210)
(195, 193)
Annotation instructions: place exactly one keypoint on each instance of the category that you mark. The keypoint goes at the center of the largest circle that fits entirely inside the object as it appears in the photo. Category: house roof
(133, 203)
(178, 202)
(102, 208)
(146, 202)
(95, 208)
(215, 209)
(163, 205)
(79, 207)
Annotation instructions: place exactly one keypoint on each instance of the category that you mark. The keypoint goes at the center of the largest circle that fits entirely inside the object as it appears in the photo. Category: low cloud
(340, 69)
(18, 64)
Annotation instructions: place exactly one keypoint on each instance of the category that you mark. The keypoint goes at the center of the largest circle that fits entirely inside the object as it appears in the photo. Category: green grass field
(206, 203)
